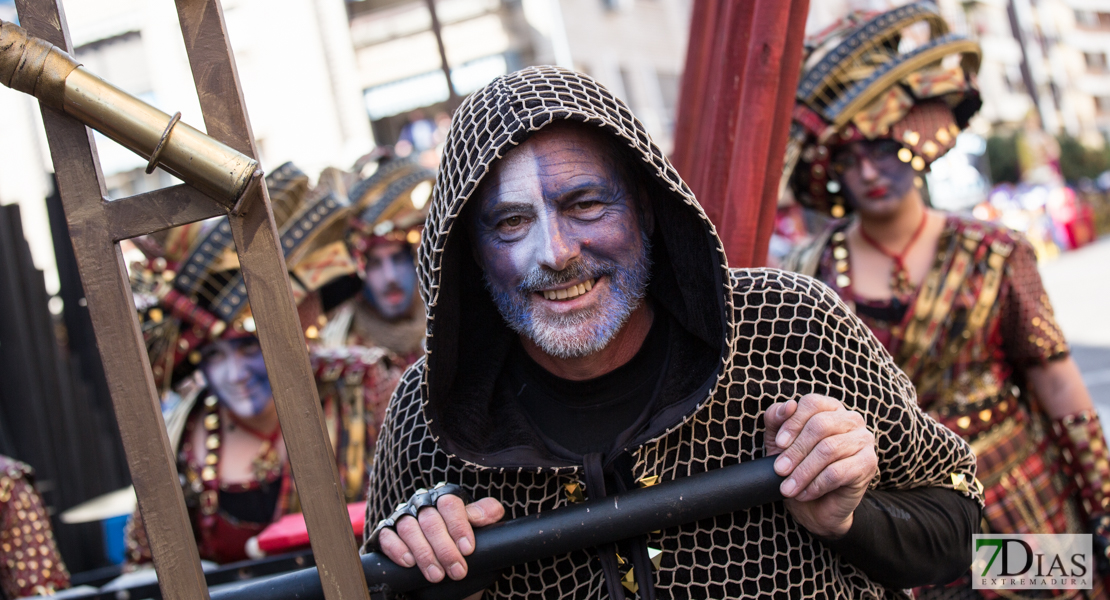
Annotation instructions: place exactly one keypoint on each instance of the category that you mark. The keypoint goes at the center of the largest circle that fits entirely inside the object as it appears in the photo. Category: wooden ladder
(97, 226)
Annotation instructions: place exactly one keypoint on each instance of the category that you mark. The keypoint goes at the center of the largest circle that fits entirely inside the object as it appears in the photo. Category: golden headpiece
(860, 82)
(190, 290)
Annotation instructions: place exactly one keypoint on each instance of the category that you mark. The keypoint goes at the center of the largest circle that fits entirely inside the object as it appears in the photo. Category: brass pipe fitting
(36, 67)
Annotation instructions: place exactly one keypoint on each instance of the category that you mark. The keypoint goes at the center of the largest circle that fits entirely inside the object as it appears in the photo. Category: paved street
(1078, 284)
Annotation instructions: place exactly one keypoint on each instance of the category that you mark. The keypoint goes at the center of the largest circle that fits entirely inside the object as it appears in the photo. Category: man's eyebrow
(501, 205)
(592, 185)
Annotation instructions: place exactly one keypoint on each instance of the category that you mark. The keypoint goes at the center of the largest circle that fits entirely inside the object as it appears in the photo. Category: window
(1092, 19)
(1096, 61)
(669, 90)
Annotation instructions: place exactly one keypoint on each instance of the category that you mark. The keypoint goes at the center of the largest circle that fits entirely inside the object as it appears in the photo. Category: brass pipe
(36, 67)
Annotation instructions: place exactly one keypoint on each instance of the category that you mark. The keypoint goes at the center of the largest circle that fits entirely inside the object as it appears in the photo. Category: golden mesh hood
(689, 277)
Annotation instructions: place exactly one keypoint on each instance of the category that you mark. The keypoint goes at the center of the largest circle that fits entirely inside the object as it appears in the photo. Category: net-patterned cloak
(774, 336)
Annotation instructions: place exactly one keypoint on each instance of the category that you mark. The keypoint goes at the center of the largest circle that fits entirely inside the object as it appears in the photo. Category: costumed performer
(957, 302)
(587, 337)
(221, 413)
(389, 211)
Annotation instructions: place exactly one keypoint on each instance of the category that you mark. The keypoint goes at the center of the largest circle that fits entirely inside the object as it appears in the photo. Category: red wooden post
(742, 68)
(691, 99)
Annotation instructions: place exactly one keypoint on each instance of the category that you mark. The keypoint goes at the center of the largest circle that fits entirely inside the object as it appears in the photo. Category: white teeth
(573, 291)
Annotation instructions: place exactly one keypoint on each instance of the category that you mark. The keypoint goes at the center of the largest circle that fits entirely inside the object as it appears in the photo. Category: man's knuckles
(829, 449)
(491, 511)
(408, 527)
(817, 402)
(450, 503)
(392, 545)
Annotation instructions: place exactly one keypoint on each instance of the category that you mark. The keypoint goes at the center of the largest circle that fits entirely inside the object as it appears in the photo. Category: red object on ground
(734, 113)
(289, 532)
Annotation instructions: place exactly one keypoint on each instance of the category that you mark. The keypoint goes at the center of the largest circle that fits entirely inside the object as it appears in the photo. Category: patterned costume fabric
(772, 336)
(189, 293)
(30, 564)
(354, 384)
(970, 378)
(364, 326)
(390, 208)
(860, 83)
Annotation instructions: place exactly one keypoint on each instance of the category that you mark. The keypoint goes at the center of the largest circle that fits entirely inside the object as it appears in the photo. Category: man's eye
(513, 221)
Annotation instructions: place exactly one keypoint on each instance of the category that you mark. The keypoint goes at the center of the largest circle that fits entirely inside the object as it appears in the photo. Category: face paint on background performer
(389, 210)
(958, 303)
(390, 279)
(237, 374)
(200, 335)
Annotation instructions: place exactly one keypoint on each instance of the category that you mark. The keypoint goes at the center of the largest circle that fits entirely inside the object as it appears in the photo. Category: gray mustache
(541, 278)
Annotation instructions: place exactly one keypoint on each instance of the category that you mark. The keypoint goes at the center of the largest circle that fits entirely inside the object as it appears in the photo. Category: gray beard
(585, 332)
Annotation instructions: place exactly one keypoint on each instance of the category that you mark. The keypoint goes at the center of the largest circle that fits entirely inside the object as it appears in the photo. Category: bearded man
(585, 332)
(392, 206)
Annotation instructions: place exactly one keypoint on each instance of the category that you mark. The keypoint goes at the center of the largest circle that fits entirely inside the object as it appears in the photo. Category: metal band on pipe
(36, 67)
(553, 533)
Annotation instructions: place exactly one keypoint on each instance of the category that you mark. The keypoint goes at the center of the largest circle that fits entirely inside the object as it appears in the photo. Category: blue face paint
(875, 179)
(390, 279)
(236, 373)
(560, 241)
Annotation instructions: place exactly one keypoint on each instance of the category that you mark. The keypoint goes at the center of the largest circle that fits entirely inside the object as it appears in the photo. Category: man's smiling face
(561, 240)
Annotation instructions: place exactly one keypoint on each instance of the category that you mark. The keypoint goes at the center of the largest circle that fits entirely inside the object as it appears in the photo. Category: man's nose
(559, 247)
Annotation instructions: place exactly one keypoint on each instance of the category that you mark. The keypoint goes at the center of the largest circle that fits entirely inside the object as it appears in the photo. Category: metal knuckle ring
(422, 499)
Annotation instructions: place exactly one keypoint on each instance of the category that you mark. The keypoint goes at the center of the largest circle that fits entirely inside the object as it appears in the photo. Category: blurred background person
(957, 302)
(219, 406)
(383, 235)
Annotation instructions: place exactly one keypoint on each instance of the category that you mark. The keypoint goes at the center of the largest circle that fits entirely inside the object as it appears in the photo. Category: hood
(468, 340)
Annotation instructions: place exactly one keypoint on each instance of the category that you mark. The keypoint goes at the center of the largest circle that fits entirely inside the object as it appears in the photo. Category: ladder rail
(96, 227)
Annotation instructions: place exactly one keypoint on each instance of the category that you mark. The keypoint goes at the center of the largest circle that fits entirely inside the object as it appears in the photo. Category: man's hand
(440, 536)
(828, 458)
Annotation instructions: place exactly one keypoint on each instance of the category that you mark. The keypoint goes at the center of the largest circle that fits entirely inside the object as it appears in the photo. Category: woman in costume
(957, 302)
(220, 412)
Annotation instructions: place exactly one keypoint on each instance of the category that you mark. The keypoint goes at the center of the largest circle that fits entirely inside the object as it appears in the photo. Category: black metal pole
(592, 523)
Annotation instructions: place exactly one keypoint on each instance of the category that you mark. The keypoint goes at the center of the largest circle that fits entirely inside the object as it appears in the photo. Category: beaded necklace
(266, 466)
(900, 285)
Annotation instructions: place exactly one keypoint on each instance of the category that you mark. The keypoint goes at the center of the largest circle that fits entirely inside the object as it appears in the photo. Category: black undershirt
(900, 539)
(252, 506)
(588, 416)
